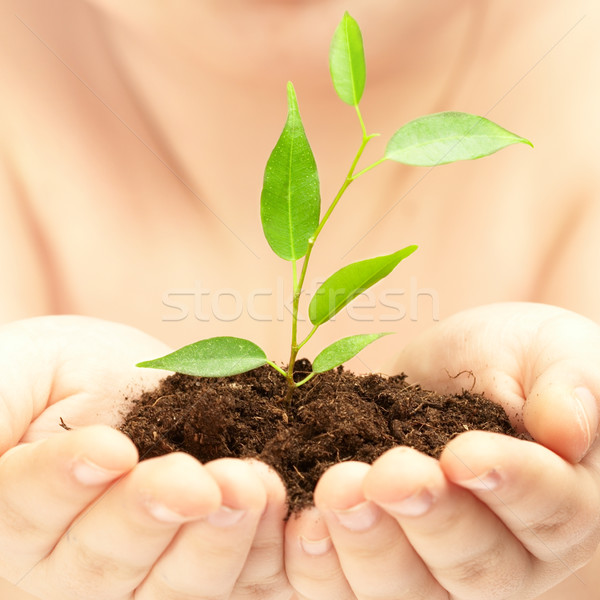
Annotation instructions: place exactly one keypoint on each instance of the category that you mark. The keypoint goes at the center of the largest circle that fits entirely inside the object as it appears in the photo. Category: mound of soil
(335, 417)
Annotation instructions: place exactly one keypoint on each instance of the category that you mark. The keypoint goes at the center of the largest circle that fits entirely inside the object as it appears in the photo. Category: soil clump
(337, 416)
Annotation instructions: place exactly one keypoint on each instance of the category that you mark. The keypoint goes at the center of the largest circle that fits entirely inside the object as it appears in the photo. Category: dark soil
(335, 417)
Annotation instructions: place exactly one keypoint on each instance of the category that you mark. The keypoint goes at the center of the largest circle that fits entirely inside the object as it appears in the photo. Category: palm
(77, 369)
(527, 357)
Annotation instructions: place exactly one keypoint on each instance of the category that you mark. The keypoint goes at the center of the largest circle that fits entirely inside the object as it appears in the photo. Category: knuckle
(91, 569)
(275, 587)
(564, 531)
(555, 524)
(407, 584)
(262, 578)
(23, 527)
(308, 578)
(161, 585)
(575, 547)
(487, 569)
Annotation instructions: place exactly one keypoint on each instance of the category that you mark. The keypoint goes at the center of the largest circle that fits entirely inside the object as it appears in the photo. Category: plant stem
(362, 123)
(375, 164)
(298, 283)
(277, 368)
(307, 378)
(294, 344)
(312, 332)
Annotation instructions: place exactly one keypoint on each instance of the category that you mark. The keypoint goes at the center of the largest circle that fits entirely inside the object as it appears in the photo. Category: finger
(207, 556)
(465, 546)
(375, 556)
(112, 546)
(264, 571)
(549, 505)
(45, 485)
(312, 565)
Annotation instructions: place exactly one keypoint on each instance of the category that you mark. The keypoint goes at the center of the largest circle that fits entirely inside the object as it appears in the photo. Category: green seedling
(290, 211)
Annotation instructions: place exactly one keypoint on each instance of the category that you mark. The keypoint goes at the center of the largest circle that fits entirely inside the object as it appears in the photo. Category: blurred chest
(167, 261)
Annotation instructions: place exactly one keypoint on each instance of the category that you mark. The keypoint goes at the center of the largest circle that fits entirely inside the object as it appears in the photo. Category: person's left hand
(496, 517)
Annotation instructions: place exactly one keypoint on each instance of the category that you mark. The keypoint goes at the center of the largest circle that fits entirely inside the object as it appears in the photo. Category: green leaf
(213, 357)
(343, 350)
(347, 61)
(350, 281)
(290, 202)
(446, 137)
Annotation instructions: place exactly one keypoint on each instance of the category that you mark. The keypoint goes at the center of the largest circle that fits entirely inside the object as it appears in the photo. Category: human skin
(512, 537)
(117, 158)
(82, 519)
(161, 160)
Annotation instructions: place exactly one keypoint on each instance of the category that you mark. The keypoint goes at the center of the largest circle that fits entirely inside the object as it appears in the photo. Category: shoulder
(49, 57)
(553, 100)
(62, 97)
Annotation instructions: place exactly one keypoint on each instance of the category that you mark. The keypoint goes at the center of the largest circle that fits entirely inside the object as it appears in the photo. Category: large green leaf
(446, 137)
(290, 202)
(347, 61)
(350, 281)
(343, 350)
(213, 357)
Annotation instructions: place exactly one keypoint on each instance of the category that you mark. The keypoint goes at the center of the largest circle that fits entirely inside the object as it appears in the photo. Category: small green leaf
(347, 61)
(343, 350)
(350, 281)
(446, 137)
(213, 357)
(290, 203)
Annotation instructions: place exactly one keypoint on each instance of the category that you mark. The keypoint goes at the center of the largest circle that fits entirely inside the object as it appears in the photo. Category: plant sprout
(290, 209)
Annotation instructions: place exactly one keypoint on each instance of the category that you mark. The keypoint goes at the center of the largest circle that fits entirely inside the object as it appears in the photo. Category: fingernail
(315, 547)
(413, 506)
(487, 482)
(167, 515)
(358, 518)
(586, 413)
(88, 473)
(225, 516)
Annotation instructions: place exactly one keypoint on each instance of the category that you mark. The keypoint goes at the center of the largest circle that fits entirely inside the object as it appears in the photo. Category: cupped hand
(540, 362)
(496, 517)
(80, 518)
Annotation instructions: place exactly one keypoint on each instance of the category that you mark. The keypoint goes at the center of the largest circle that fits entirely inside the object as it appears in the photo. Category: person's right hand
(81, 519)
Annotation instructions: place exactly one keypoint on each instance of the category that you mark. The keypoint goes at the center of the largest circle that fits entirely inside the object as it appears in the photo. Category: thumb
(540, 362)
(561, 384)
(561, 410)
